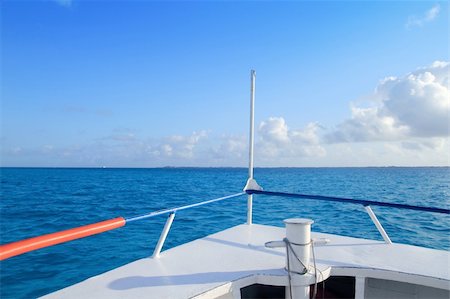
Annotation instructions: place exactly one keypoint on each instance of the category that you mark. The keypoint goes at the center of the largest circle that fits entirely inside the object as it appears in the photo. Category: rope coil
(305, 269)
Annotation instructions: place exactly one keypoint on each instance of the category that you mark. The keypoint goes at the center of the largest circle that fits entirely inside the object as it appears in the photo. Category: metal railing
(365, 203)
(20, 247)
(170, 218)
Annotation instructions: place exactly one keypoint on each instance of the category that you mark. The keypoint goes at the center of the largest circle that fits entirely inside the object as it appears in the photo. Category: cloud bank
(413, 106)
(405, 122)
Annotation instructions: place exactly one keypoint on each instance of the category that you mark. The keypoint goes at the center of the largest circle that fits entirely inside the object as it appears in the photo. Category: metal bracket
(252, 185)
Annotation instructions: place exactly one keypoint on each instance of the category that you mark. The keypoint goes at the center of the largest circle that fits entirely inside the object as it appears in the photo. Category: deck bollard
(298, 245)
(298, 234)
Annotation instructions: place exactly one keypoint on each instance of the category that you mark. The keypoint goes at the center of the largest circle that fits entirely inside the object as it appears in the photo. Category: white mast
(251, 142)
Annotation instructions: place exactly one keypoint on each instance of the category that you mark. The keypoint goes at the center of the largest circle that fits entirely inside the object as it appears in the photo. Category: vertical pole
(251, 142)
(163, 236)
(378, 225)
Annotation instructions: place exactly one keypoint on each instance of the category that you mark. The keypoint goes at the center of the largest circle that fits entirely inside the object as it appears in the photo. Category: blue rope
(350, 200)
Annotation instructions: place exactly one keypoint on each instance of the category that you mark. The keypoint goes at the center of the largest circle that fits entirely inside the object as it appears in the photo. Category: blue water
(38, 201)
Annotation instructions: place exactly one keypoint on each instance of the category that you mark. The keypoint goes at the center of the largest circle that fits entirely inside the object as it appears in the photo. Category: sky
(153, 84)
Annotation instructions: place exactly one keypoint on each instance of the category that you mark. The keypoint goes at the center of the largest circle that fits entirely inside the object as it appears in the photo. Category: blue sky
(146, 83)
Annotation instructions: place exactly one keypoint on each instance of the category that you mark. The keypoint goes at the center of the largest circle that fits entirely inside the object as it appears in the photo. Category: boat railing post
(378, 224)
(163, 236)
(251, 143)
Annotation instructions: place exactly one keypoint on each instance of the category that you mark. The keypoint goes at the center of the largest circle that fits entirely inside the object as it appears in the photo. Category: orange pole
(20, 247)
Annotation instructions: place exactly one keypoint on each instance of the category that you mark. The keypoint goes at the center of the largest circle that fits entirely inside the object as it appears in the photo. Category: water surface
(36, 201)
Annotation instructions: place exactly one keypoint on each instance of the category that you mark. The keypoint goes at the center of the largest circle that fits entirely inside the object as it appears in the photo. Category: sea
(35, 201)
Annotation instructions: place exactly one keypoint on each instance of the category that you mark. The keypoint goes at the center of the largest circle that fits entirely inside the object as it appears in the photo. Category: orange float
(20, 247)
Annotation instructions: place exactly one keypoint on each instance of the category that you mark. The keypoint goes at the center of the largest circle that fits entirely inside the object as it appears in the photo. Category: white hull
(220, 265)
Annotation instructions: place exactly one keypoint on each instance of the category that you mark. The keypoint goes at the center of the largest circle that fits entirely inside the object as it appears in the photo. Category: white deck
(238, 254)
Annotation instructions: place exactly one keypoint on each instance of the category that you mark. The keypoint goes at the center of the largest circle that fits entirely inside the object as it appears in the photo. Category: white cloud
(231, 150)
(274, 130)
(420, 144)
(277, 143)
(428, 16)
(177, 146)
(416, 105)
(432, 13)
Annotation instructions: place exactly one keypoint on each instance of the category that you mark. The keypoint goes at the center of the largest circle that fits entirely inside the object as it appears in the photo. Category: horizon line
(218, 167)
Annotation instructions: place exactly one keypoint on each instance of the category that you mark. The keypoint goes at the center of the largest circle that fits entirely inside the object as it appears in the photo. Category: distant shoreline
(211, 167)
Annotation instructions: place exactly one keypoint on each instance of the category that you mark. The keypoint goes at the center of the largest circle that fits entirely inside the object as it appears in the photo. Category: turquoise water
(36, 201)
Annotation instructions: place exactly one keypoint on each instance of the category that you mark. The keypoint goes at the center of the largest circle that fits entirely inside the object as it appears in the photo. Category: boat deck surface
(212, 262)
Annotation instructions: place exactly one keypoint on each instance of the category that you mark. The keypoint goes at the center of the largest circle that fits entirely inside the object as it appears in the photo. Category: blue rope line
(351, 200)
